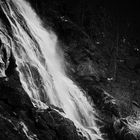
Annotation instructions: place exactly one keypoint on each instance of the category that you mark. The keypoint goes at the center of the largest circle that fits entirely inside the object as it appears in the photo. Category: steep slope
(86, 66)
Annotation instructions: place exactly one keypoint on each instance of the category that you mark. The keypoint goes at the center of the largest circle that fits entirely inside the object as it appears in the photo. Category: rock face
(20, 120)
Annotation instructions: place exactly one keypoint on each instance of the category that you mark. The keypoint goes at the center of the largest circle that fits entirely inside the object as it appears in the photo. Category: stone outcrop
(20, 120)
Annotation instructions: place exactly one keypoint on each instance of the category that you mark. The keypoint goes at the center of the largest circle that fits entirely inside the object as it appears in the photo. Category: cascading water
(41, 67)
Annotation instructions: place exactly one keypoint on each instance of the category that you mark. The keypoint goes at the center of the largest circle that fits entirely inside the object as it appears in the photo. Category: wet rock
(20, 120)
(12, 94)
(126, 129)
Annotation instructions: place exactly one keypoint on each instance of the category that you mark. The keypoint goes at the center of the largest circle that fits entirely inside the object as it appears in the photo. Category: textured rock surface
(20, 120)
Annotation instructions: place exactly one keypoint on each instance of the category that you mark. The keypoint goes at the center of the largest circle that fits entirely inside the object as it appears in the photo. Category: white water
(41, 67)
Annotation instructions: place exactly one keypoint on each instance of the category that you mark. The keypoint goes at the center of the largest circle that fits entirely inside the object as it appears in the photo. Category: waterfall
(40, 63)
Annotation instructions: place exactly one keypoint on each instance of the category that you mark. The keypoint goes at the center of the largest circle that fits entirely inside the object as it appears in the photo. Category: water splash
(41, 67)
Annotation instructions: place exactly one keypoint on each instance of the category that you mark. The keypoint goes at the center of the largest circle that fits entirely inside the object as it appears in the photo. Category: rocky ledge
(20, 120)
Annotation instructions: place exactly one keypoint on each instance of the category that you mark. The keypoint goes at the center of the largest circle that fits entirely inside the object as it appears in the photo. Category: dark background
(124, 14)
